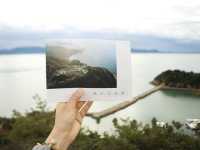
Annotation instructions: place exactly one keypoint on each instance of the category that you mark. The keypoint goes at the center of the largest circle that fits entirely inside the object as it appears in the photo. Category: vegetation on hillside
(21, 132)
(178, 79)
(73, 73)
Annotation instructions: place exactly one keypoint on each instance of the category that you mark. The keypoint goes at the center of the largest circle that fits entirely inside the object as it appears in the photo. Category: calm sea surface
(23, 76)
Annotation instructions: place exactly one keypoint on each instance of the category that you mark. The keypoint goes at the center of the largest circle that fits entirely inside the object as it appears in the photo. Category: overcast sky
(168, 18)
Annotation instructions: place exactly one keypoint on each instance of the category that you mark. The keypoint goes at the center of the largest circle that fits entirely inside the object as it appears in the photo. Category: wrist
(58, 140)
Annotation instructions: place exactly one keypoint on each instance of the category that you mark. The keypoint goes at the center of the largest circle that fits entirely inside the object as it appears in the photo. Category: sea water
(23, 76)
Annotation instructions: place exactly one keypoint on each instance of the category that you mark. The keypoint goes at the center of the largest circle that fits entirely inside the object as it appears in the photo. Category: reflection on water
(181, 94)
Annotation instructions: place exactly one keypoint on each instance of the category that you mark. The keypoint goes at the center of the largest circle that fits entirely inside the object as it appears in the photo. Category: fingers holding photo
(79, 108)
(85, 107)
(76, 97)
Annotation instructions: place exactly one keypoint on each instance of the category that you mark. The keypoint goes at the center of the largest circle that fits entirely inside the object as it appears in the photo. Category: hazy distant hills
(23, 50)
(135, 50)
(32, 50)
(35, 50)
(140, 42)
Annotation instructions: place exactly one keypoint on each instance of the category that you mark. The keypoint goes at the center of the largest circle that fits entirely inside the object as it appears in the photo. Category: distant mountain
(35, 50)
(176, 51)
(134, 50)
(23, 50)
(147, 42)
(142, 41)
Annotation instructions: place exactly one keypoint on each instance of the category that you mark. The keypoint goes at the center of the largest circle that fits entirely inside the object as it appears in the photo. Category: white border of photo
(124, 80)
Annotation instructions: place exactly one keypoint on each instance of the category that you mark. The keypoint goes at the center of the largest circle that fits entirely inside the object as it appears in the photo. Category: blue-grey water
(22, 76)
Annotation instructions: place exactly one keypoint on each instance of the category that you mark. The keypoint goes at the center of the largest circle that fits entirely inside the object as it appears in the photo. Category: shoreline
(191, 90)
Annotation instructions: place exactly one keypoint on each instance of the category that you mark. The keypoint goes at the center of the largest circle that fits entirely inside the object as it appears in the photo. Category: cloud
(191, 10)
(187, 30)
(33, 22)
(14, 37)
(127, 15)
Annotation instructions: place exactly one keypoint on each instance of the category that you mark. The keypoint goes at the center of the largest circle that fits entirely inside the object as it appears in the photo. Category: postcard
(101, 67)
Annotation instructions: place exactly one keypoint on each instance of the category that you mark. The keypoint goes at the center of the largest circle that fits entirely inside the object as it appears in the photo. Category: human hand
(68, 118)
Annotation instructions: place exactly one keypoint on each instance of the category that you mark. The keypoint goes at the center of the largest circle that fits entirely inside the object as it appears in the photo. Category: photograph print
(81, 64)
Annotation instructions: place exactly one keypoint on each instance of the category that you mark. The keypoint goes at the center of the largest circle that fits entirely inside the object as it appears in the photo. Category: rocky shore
(178, 80)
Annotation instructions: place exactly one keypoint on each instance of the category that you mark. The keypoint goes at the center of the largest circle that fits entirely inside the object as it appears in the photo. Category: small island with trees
(178, 80)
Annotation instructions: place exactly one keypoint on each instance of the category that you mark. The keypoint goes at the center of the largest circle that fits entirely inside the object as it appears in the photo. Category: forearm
(55, 141)
(59, 140)
(61, 146)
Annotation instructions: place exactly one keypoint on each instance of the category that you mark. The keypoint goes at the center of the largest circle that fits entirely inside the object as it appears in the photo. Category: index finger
(76, 96)
(85, 107)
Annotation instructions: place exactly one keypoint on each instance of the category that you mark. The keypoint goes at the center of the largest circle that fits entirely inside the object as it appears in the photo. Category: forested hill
(178, 79)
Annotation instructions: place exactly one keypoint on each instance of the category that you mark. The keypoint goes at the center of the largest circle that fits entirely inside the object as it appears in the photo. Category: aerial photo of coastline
(81, 64)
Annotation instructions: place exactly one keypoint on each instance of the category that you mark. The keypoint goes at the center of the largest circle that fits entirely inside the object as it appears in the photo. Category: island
(178, 80)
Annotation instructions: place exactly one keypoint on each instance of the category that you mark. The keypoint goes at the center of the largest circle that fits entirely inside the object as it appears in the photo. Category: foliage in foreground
(21, 132)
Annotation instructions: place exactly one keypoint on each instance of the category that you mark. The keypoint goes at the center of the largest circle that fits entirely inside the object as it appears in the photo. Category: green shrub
(21, 132)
